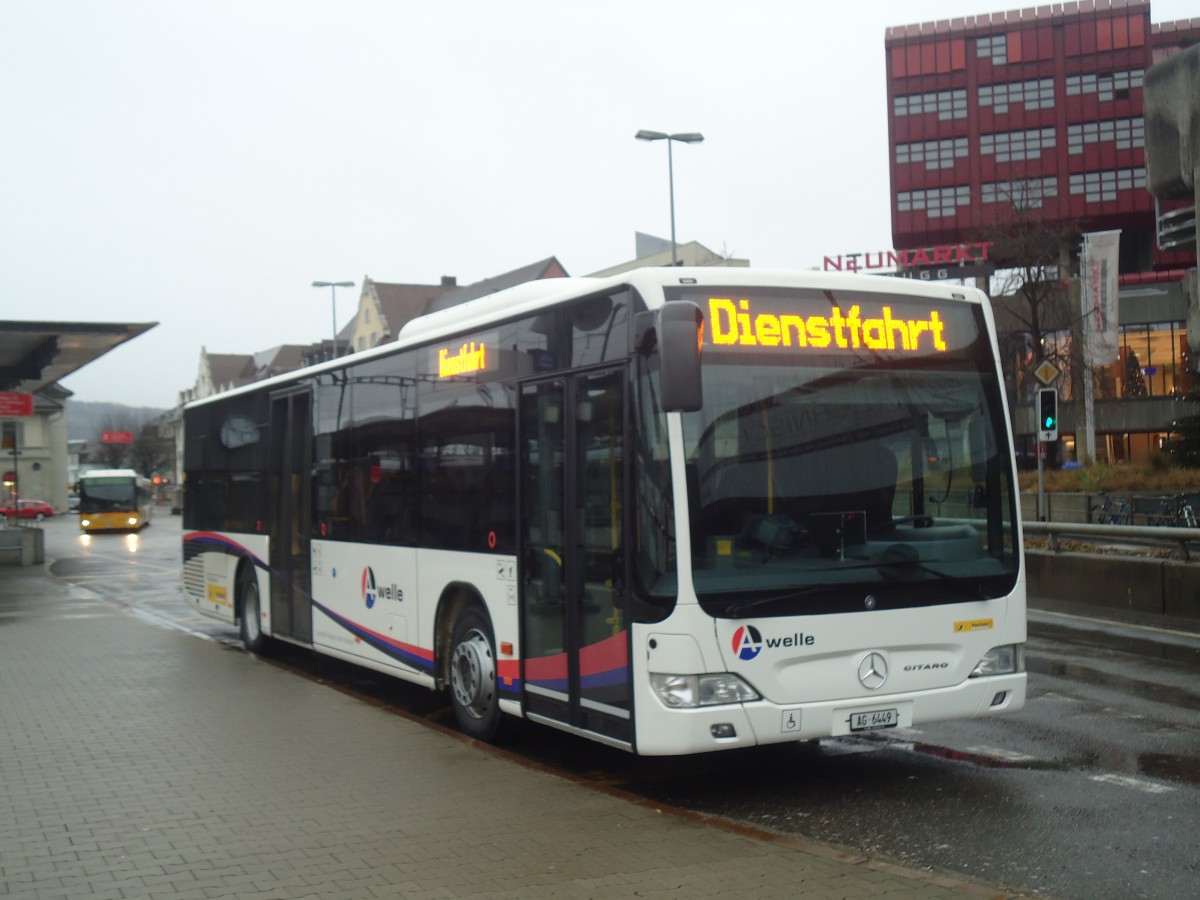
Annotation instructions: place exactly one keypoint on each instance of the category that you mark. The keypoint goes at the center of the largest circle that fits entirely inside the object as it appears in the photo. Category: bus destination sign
(466, 359)
(470, 355)
(737, 323)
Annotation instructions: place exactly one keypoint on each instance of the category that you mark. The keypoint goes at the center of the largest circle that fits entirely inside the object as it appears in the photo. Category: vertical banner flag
(1099, 266)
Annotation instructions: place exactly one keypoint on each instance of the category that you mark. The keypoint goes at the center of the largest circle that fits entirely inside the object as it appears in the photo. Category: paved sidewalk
(136, 761)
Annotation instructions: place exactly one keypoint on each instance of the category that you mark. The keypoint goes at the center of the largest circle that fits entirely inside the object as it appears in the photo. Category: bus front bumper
(661, 731)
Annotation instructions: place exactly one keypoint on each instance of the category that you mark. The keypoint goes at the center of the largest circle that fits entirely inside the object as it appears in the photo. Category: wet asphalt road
(1093, 790)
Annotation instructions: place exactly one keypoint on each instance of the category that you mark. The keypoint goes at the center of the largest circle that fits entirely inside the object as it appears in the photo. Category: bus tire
(250, 625)
(473, 675)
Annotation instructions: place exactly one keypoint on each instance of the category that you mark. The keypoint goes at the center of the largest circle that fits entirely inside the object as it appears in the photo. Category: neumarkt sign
(926, 263)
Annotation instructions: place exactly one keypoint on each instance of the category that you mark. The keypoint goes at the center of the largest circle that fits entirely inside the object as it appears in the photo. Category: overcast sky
(200, 164)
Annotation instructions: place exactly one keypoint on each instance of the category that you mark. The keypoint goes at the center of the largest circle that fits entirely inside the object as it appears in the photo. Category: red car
(27, 509)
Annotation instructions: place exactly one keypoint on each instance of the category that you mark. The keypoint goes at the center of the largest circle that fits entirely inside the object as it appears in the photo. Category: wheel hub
(473, 674)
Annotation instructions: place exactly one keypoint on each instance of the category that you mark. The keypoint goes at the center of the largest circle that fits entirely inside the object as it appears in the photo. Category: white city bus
(676, 510)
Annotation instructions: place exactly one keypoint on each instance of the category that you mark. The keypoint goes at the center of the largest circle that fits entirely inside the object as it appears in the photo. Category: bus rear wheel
(473, 675)
(250, 627)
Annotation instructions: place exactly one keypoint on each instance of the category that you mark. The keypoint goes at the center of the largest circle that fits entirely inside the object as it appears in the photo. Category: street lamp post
(684, 137)
(333, 286)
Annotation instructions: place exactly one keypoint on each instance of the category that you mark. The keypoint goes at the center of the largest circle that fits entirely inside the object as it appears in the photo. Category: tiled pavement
(136, 761)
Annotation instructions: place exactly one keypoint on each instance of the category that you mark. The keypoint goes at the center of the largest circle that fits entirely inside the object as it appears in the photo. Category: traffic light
(1047, 410)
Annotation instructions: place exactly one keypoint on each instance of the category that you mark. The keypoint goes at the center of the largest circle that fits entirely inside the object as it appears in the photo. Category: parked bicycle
(1187, 511)
(1181, 511)
(1177, 511)
(1111, 512)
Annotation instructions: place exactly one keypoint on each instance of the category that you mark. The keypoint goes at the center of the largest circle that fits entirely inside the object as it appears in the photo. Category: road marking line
(1098, 621)
(1001, 754)
(159, 619)
(1138, 784)
(846, 745)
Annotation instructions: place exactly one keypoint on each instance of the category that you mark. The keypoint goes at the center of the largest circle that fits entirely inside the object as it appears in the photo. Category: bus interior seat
(853, 478)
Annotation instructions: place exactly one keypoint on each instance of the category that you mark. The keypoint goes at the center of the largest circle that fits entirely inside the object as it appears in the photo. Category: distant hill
(86, 420)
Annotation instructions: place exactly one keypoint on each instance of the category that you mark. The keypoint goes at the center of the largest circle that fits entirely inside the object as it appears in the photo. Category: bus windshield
(107, 494)
(856, 463)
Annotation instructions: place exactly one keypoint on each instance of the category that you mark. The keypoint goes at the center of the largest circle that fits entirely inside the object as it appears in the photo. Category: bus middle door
(574, 607)
(291, 465)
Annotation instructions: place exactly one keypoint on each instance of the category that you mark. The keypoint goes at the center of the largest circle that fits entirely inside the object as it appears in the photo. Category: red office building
(1039, 107)
(1040, 110)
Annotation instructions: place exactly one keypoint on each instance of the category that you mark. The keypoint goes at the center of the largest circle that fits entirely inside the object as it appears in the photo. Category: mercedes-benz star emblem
(872, 671)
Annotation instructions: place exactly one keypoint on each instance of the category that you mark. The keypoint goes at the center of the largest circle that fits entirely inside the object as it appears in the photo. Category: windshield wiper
(976, 586)
(904, 562)
(898, 576)
(736, 610)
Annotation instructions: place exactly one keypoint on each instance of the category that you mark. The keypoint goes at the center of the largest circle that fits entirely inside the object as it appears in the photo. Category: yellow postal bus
(114, 500)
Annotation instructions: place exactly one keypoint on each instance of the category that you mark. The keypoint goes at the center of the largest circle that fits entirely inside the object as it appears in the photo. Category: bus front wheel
(253, 638)
(473, 675)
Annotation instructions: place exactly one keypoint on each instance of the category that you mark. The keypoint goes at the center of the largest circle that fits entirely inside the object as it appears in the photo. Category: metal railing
(1110, 508)
(1154, 536)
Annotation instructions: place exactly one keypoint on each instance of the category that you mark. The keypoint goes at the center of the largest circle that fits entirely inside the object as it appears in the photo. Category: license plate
(877, 718)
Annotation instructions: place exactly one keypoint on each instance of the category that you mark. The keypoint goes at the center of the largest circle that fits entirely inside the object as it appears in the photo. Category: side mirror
(680, 336)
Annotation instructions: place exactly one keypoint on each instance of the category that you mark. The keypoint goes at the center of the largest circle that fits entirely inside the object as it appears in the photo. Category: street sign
(1046, 372)
(16, 403)
(116, 437)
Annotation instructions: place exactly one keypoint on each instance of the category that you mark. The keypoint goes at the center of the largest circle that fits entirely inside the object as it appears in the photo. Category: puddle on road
(1153, 644)
(1161, 766)
(1168, 767)
(1148, 690)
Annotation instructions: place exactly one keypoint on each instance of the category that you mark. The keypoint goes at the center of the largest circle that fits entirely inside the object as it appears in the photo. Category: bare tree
(116, 454)
(1031, 286)
(151, 452)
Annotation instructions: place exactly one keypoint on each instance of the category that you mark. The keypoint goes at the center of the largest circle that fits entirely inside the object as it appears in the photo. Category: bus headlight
(691, 691)
(133, 520)
(1003, 660)
(84, 523)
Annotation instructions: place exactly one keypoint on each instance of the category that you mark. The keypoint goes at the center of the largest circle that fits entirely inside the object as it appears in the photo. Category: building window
(12, 435)
(947, 104)
(1104, 86)
(938, 203)
(1032, 94)
(994, 48)
(1097, 187)
(1125, 134)
(1017, 145)
(1152, 362)
(1027, 194)
(934, 154)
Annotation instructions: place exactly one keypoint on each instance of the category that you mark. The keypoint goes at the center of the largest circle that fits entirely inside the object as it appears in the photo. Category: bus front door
(574, 607)
(291, 457)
